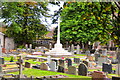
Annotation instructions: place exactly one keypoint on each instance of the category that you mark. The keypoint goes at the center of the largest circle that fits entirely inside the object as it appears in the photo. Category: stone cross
(20, 62)
(78, 49)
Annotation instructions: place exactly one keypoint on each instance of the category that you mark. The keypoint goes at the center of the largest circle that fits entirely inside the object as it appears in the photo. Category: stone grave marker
(86, 62)
(1, 60)
(77, 60)
(101, 60)
(104, 52)
(72, 70)
(56, 62)
(48, 59)
(44, 66)
(27, 65)
(52, 66)
(0, 50)
(78, 49)
(107, 68)
(50, 46)
(82, 69)
(72, 49)
(69, 62)
(61, 62)
(61, 69)
(96, 56)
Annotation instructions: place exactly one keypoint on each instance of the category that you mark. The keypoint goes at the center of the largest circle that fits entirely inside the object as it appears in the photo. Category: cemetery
(79, 50)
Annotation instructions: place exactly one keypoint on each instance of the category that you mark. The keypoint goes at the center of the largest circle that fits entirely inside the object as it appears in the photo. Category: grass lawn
(33, 62)
(38, 73)
(80, 54)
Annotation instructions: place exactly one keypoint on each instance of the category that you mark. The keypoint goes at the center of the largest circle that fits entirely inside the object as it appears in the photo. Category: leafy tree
(24, 20)
(86, 22)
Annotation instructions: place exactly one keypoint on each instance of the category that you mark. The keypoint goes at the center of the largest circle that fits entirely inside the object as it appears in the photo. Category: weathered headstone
(104, 52)
(61, 62)
(69, 62)
(50, 46)
(72, 49)
(77, 60)
(86, 62)
(1, 60)
(96, 56)
(101, 60)
(56, 62)
(82, 69)
(27, 65)
(43, 66)
(26, 46)
(78, 49)
(87, 53)
(61, 69)
(53, 66)
(48, 59)
(107, 68)
(72, 70)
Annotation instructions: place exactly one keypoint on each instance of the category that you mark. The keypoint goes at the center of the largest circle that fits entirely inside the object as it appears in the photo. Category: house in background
(6, 42)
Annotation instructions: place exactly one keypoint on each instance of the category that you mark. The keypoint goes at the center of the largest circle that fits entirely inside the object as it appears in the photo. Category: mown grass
(38, 73)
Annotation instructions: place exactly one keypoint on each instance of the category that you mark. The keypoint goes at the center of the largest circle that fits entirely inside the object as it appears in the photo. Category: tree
(24, 20)
(86, 22)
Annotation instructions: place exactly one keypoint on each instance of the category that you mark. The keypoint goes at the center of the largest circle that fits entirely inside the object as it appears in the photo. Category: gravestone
(1, 60)
(87, 53)
(69, 62)
(43, 66)
(61, 69)
(82, 69)
(72, 70)
(107, 68)
(61, 62)
(78, 49)
(96, 56)
(72, 49)
(26, 46)
(104, 52)
(86, 62)
(53, 66)
(56, 62)
(48, 59)
(0, 68)
(77, 60)
(101, 60)
(27, 65)
(50, 46)
(118, 69)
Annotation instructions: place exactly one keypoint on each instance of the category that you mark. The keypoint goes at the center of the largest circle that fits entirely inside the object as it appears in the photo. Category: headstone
(50, 46)
(96, 56)
(56, 62)
(61, 62)
(87, 53)
(82, 69)
(118, 69)
(77, 60)
(104, 52)
(48, 59)
(1, 60)
(69, 49)
(53, 66)
(72, 49)
(86, 62)
(72, 70)
(61, 69)
(78, 49)
(43, 66)
(27, 65)
(0, 68)
(107, 68)
(69, 62)
(26, 46)
(101, 60)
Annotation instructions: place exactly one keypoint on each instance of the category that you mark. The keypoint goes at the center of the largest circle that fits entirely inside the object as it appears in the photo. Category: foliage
(12, 58)
(86, 22)
(24, 20)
